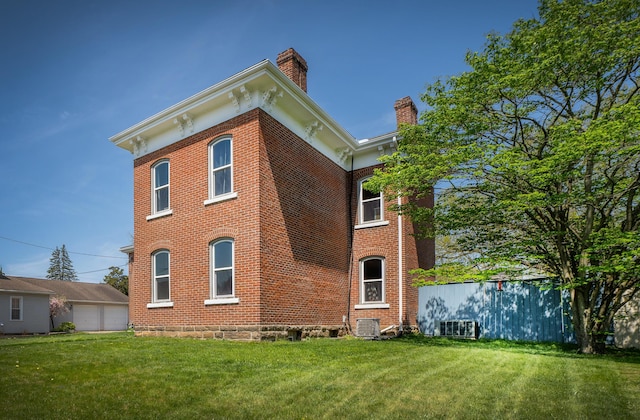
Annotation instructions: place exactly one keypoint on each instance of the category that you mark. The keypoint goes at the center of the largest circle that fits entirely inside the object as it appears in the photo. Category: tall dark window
(221, 168)
(370, 205)
(372, 277)
(161, 283)
(161, 186)
(222, 283)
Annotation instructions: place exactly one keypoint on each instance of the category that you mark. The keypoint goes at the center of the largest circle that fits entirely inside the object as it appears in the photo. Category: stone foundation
(243, 332)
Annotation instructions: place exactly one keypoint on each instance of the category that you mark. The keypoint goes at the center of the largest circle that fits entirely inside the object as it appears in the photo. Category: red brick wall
(291, 225)
(383, 241)
(188, 231)
(304, 224)
(379, 241)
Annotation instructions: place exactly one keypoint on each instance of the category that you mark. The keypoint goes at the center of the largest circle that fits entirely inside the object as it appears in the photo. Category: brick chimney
(406, 111)
(293, 65)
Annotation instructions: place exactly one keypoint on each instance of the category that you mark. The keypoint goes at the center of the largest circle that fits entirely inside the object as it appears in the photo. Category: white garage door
(86, 317)
(116, 318)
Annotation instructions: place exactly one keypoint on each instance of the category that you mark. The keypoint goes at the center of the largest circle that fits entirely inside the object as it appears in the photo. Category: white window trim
(160, 305)
(20, 298)
(226, 196)
(157, 303)
(223, 299)
(361, 223)
(221, 197)
(154, 212)
(372, 224)
(370, 305)
(161, 214)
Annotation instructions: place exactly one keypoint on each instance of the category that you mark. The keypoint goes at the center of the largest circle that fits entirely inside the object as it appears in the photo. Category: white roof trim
(263, 86)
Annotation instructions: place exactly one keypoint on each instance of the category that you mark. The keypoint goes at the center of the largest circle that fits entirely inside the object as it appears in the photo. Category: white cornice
(262, 85)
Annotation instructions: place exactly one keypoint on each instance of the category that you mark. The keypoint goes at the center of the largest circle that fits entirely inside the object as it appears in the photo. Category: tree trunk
(589, 341)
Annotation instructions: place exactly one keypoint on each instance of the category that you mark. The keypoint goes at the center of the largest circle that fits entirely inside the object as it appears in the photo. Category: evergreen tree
(60, 266)
(53, 273)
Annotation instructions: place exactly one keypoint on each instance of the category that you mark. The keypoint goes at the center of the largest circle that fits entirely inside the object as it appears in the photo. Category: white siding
(35, 314)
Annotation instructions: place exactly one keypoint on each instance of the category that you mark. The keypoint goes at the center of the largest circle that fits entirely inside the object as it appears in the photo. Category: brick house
(250, 220)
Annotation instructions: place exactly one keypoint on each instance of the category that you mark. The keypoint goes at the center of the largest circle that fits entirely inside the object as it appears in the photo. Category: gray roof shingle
(74, 291)
(16, 284)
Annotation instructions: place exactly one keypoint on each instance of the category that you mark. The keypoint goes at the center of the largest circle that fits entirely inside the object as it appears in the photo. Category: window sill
(160, 305)
(220, 198)
(372, 306)
(160, 214)
(371, 224)
(222, 301)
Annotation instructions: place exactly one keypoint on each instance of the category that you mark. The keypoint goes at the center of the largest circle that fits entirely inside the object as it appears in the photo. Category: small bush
(66, 327)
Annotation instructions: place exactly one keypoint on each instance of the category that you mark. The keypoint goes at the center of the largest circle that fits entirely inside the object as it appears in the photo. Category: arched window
(222, 272)
(370, 205)
(220, 168)
(372, 280)
(161, 277)
(160, 175)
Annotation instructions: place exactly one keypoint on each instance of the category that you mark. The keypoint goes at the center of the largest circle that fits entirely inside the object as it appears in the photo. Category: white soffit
(262, 85)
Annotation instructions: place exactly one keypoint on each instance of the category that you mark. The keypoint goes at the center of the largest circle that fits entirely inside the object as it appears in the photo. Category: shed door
(116, 318)
(86, 317)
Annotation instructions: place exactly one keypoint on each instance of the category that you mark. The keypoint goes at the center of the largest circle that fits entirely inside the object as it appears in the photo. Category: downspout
(400, 268)
(351, 236)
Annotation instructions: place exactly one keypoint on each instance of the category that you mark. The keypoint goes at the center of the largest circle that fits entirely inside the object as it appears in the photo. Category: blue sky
(75, 72)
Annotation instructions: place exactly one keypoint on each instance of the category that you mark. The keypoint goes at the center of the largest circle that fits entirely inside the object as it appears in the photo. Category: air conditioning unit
(368, 327)
(456, 329)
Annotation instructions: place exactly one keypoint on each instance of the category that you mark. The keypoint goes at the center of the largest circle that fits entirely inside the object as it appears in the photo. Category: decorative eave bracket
(237, 100)
(270, 97)
(343, 154)
(184, 123)
(139, 145)
(388, 148)
(311, 130)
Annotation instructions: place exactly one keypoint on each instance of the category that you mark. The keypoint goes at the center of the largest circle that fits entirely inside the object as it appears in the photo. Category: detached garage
(100, 317)
(93, 306)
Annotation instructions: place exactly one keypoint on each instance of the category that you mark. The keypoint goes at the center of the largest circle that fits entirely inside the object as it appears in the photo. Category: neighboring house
(93, 306)
(626, 325)
(250, 220)
(24, 307)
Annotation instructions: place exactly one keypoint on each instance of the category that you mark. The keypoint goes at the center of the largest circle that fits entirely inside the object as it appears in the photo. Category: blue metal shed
(510, 310)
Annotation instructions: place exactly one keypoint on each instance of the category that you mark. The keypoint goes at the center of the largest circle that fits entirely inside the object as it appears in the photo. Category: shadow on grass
(529, 347)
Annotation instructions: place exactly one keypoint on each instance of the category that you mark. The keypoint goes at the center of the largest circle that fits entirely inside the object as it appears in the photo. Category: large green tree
(60, 266)
(117, 279)
(535, 156)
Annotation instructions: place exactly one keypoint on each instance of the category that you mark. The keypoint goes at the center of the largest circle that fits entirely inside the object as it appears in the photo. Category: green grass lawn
(92, 376)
